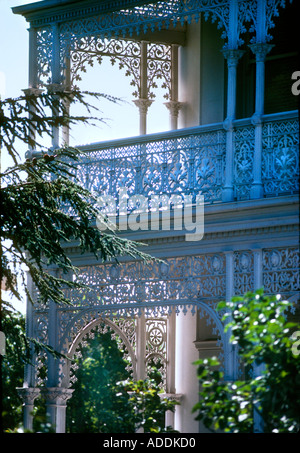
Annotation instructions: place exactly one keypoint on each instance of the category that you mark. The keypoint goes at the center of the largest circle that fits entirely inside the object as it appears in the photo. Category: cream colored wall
(212, 81)
(201, 76)
(186, 380)
(189, 78)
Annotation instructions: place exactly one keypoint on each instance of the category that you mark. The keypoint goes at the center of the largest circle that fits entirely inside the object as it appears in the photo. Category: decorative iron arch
(83, 323)
(87, 331)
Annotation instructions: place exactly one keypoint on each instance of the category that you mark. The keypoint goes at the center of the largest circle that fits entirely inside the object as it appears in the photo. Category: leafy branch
(262, 331)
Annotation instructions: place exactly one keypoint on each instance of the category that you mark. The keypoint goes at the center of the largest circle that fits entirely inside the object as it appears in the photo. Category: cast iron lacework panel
(122, 292)
(280, 162)
(185, 165)
(243, 272)
(155, 336)
(243, 161)
(160, 14)
(194, 163)
(281, 271)
(156, 346)
(44, 52)
(159, 68)
(177, 281)
(87, 51)
(151, 16)
(100, 329)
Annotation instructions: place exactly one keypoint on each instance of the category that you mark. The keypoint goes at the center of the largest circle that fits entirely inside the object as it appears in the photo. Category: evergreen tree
(265, 401)
(107, 400)
(34, 194)
(94, 406)
(13, 368)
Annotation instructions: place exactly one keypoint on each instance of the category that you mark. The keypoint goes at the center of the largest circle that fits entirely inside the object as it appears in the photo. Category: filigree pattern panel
(85, 51)
(195, 163)
(40, 323)
(192, 164)
(156, 346)
(168, 14)
(75, 28)
(44, 55)
(177, 281)
(281, 271)
(280, 163)
(159, 68)
(243, 272)
(243, 161)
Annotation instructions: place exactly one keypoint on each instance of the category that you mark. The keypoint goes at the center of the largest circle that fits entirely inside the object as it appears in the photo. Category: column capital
(56, 88)
(28, 394)
(143, 104)
(228, 124)
(232, 56)
(257, 119)
(260, 50)
(32, 91)
(57, 395)
(171, 396)
(207, 345)
(174, 107)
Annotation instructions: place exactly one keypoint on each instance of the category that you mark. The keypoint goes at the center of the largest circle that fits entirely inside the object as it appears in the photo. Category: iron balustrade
(192, 161)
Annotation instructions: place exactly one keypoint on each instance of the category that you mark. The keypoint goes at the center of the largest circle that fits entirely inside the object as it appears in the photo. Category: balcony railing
(193, 161)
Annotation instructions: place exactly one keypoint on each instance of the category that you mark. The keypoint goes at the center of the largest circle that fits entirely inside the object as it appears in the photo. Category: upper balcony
(193, 161)
(238, 135)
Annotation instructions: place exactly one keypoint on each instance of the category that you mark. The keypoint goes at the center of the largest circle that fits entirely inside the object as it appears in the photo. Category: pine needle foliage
(34, 193)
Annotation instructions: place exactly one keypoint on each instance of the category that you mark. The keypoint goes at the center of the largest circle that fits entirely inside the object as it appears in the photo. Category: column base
(170, 416)
(256, 191)
(227, 194)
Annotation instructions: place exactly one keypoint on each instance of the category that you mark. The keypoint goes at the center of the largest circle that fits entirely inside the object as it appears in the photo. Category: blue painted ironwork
(192, 161)
(234, 17)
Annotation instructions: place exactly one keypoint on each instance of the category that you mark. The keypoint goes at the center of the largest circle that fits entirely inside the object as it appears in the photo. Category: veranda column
(230, 350)
(141, 350)
(260, 51)
(186, 375)
(232, 56)
(170, 381)
(206, 349)
(56, 78)
(30, 367)
(143, 103)
(29, 392)
(56, 396)
(173, 105)
(33, 85)
(67, 87)
(141, 346)
(52, 378)
(56, 405)
(258, 369)
(28, 395)
(33, 63)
